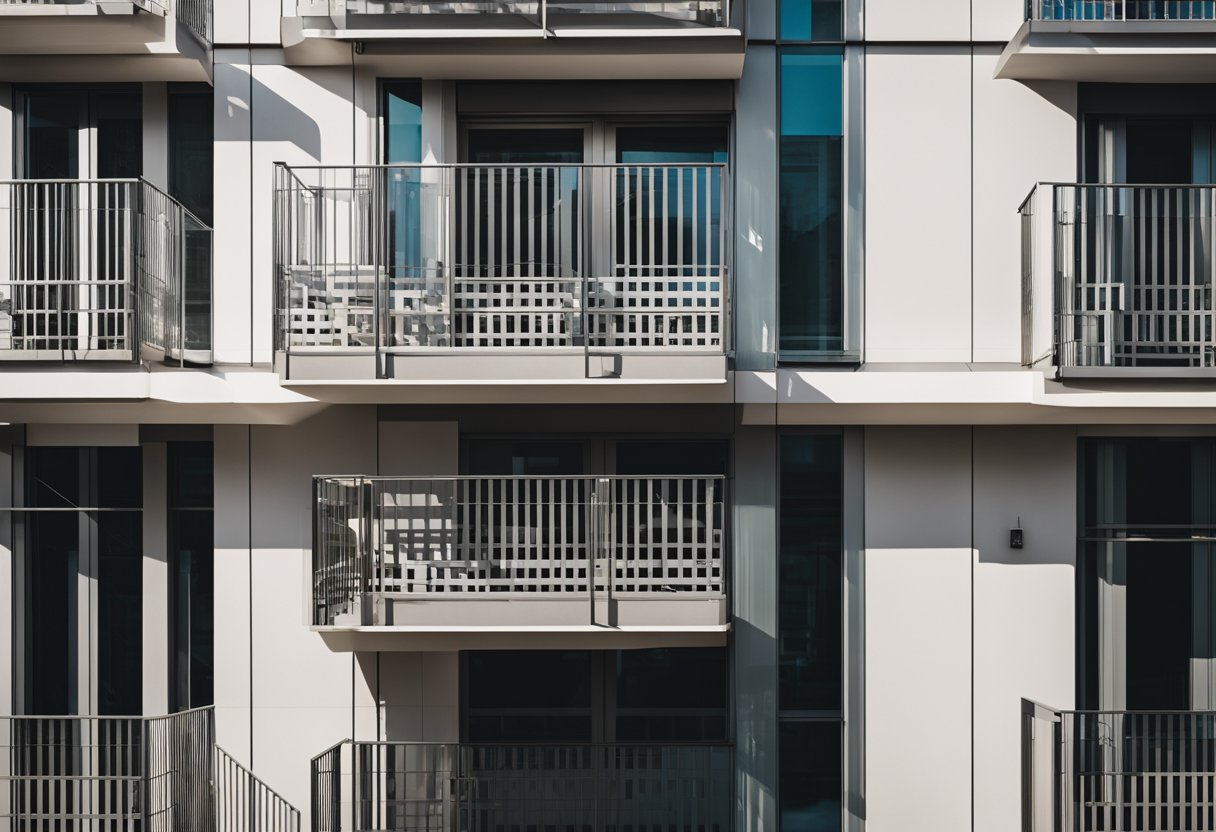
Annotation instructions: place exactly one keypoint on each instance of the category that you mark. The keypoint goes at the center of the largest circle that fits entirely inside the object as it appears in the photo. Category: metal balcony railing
(87, 773)
(504, 257)
(158, 6)
(243, 803)
(1121, 10)
(499, 538)
(197, 16)
(130, 774)
(1119, 276)
(1091, 771)
(699, 13)
(406, 787)
(99, 269)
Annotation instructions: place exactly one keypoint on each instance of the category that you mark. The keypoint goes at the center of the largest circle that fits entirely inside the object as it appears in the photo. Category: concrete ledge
(657, 612)
(392, 639)
(1111, 51)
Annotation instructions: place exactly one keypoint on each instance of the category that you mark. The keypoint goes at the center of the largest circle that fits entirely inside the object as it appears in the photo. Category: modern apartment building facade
(570, 415)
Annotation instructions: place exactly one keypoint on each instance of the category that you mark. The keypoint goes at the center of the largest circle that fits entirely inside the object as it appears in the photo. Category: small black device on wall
(1016, 537)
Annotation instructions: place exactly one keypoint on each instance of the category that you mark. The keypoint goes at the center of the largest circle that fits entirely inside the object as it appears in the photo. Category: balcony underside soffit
(1115, 52)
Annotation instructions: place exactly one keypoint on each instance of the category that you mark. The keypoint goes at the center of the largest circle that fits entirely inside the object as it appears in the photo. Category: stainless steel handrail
(399, 258)
(1119, 276)
(578, 537)
(1139, 11)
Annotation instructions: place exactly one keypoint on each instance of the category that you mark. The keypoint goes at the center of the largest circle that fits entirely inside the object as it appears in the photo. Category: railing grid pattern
(1133, 269)
(107, 774)
(197, 15)
(701, 12)
(1121, 771)
(147, 4)
(529, 257)
(395, 787)
(243, 803)
(516, 536)
(97, 269)
(1138, 10)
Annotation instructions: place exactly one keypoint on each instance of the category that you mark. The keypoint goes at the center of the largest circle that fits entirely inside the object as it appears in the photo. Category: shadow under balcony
(105, 40)
(502, 272)
(1088, 771)
(1117, 280)
(594, 787)
(1114, 41)
(501, 562)
(102, 270)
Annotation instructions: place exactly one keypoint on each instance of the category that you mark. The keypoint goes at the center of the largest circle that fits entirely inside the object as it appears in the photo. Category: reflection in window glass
(809, 573)
(810, 20)
(810, 201)
(101, 538)
(402, 122)
(671, 144)
(810, 782)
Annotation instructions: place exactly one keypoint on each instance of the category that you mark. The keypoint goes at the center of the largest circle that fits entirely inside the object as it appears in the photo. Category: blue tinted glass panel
(403, 122)
(810, 781)
(810, 20)
(811, 94)
(671, 144)
(810, 202)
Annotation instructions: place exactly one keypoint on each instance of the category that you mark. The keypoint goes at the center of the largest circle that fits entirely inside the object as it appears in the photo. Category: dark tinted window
(672, 694)
(811, 276)
(509, 457)
(528, 695)
(810, 782)
(689, 458)
(809, 573)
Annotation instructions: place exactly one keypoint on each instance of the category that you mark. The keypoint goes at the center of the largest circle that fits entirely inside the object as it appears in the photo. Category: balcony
(124, 40)
(558, 39)
(1117, 280)
(400, 787)
(520, 561)
(484, 273)
(1118, 41)
(1085, 771)
(102, 270)
(130, 774)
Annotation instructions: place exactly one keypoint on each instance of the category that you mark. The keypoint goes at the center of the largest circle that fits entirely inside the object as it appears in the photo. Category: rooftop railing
(403, 787)
(1135, 771)
(660, 538)
(699, 13)
(101, 270)
(1121, 10)
(1119, 276)
(502, 257)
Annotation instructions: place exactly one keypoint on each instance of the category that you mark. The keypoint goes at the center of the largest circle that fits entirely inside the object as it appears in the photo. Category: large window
(676, 695)
(82, 545)
(191, 523)
(810, 631)
(1146, 576)
(811, 266)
